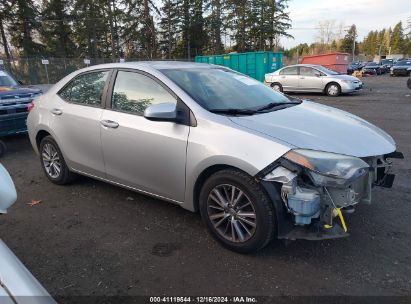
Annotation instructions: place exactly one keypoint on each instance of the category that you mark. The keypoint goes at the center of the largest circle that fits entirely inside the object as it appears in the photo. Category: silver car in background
(255, 163)
(312, 78)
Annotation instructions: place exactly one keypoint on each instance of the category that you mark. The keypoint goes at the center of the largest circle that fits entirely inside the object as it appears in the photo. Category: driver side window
(134, 92)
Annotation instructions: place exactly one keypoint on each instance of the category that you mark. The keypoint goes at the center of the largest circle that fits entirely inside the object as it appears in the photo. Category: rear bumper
(13, 118)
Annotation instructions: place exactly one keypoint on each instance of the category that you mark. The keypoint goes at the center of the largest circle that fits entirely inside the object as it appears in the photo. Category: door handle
(302, 77)
(56, 111)
(109, 124)
(282, 76)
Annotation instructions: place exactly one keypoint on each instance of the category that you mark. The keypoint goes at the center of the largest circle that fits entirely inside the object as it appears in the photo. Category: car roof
(304, 65)
(157, 65)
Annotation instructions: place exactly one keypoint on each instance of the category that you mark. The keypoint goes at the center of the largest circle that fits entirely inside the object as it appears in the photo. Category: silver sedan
(252, 161)
(312, 78)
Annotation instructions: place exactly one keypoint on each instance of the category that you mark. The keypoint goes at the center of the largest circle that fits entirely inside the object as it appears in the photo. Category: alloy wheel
(332, 90)
(232, 213)
(51, 160)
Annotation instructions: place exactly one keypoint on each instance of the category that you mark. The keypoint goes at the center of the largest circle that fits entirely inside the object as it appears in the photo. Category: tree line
(332, 37)
(139, 28)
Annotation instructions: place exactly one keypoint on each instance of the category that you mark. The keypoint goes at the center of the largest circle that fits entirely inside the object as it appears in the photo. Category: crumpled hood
(318, 127)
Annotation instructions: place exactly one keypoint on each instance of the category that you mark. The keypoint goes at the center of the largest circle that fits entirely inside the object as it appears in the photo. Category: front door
(310, 80)
(147, 155)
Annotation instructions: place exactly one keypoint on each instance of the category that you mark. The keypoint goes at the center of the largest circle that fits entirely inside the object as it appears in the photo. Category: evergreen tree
(91, 28)
(348, 42)
(5, 16)
(169, 27)
(397, 39)
(56, 33)
(198, 35)
(24, 27)
(215, 25)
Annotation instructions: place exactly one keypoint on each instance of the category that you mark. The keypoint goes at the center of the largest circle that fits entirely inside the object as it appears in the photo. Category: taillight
(30, 106)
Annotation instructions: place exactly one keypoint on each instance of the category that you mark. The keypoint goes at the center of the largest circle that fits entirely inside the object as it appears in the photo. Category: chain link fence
(32, 71)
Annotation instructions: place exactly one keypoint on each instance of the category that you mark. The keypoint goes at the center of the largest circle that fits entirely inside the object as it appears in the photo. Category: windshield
(221, 89)
(327, 71)
(6, 80)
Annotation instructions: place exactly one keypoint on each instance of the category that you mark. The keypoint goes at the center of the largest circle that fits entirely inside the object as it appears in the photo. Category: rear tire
(333, 89)
(277, 87)
(53, 163)
(237, 212)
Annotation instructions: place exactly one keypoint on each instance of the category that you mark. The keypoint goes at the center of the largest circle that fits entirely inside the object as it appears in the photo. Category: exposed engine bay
(318, 200)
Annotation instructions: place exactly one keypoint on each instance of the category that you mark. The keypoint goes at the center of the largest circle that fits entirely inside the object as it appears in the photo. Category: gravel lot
(91, 238)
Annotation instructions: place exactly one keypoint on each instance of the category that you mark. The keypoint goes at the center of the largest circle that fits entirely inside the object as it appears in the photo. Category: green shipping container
(253, 64)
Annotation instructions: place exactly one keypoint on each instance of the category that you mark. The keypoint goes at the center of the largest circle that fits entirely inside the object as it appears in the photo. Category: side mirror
(8, 193)
(317, 74)
(161, 112)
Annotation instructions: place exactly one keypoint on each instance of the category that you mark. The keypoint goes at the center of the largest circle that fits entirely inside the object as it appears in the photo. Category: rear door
(289, 78)
(147, 155)
(310, 80)
(75, 120)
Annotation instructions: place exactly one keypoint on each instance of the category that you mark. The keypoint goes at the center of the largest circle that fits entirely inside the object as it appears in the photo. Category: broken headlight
(328, 169)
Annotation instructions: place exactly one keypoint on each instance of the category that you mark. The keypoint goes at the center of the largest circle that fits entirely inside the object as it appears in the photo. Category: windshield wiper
(233, 111)
(278, 105)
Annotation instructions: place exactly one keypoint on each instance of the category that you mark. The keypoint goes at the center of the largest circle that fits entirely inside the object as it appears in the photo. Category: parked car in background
(375, 66)
(253, 161)
(14, 102)
(368, 71)
(354, 66)
(401, 68)
(387, 63)
(312, 78)
(17, 284)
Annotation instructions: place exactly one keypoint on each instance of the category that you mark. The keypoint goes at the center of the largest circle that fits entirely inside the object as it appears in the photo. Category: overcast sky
(367, 15)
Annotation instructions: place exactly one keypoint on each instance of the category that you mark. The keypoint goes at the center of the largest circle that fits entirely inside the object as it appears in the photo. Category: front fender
(227, 144)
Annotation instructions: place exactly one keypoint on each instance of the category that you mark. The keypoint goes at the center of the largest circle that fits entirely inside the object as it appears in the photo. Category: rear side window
(289, 71)
(134, 92)
(86, 89)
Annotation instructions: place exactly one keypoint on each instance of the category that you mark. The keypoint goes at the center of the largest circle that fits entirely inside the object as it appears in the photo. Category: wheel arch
(40, 135)
(204, 175)
(277, 83)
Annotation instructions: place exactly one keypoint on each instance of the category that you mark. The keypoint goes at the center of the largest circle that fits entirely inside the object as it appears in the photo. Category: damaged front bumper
(310, 208)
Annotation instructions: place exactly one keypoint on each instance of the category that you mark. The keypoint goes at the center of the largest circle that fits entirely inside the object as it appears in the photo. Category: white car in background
(17, 284)
(312, 78)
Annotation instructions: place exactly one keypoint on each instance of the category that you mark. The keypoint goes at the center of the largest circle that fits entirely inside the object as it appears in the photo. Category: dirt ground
(91, 238)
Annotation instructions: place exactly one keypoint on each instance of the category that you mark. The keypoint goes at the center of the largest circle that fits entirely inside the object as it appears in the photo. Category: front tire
(277, 87)
(333, 89)
(237, 212)
(53, 163)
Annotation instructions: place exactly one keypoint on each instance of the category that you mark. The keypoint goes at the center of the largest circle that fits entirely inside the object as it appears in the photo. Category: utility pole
(379, 52)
